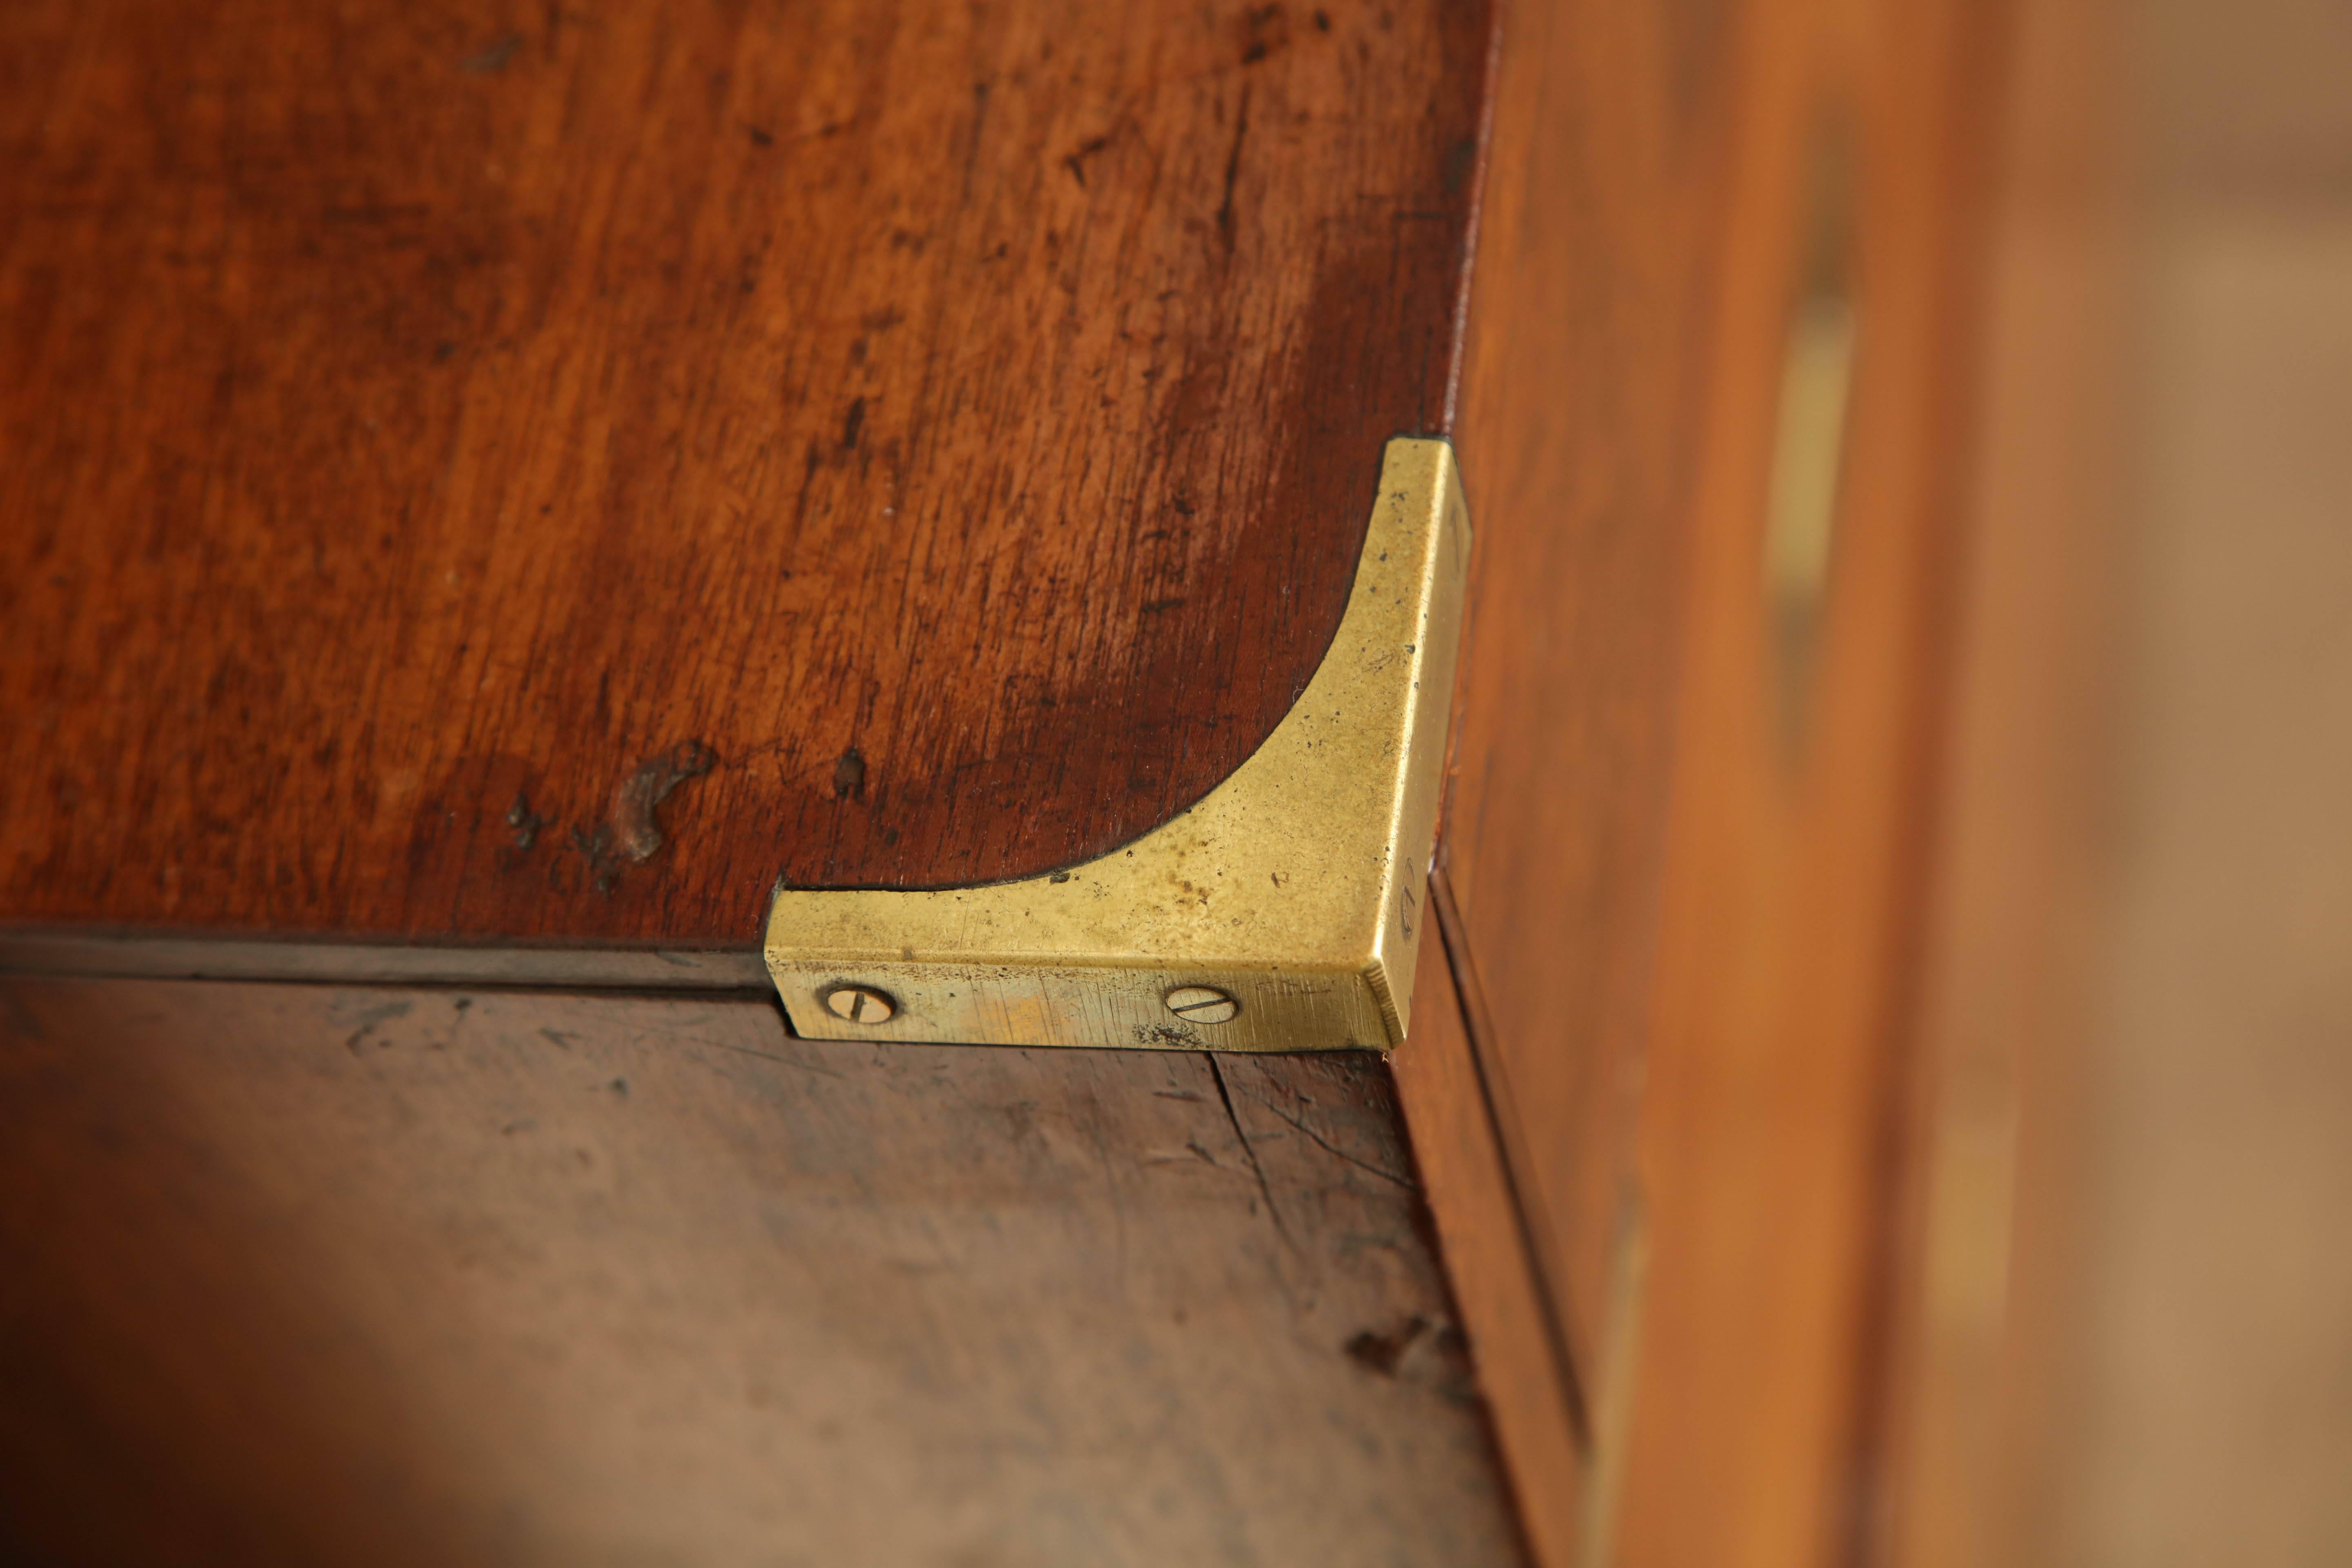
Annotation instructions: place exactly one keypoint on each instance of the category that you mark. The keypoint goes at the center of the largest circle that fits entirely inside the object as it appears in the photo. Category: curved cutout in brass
(1297, 888)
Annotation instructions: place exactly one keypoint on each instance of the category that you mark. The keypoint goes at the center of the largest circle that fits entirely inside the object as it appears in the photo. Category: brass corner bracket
(1282, 912)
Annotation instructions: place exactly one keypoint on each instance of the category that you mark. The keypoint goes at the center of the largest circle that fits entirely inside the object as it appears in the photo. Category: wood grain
(1692, 920)
(544, 475)
(2133, 1305)
(1979, 1455)
(309, 1274)
(1451, 1110)
(1795, 882)
(1581, 430)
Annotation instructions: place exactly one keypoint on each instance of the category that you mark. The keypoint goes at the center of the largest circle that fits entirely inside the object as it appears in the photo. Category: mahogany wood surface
(1584, 383)
(1686, 869)
(1454, 1110)
(1796, 885)
(539, 474)
(315, 1274)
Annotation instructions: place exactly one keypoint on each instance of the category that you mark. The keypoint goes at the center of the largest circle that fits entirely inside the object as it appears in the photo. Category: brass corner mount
(1281, 912)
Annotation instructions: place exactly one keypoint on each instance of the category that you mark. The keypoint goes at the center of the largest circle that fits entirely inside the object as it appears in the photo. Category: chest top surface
(551, 475)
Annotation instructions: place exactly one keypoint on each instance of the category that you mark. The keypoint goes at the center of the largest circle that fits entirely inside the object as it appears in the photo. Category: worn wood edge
(141, 956)
(1570, 1361)
(1515, 1328)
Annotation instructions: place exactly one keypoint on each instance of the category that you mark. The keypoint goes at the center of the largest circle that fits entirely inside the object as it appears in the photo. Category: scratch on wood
(1194, 1154)
(1076, 162)
(1249, 1149)
(1337, 1154)
(493, 60)
(768, 1056)
(1233, 173)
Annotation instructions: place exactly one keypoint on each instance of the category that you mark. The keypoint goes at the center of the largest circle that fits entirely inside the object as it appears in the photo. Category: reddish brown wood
(1452, 1110)
(914, 443)
(1691, 919)
(1979, 1460)
(1794, 887)
(1581, 431)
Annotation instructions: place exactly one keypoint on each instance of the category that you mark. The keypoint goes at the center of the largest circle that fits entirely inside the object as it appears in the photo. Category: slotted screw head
(860, 1004)
(1202, 1005)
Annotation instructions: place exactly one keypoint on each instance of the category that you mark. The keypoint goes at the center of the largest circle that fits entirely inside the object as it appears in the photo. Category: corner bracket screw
(860, 1004)
(1202, 1005)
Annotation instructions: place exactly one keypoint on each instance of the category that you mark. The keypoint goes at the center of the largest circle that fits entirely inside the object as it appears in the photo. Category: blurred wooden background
(2132, 1315)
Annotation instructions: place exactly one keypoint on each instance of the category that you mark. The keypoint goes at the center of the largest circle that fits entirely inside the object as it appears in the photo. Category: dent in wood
(629, 832)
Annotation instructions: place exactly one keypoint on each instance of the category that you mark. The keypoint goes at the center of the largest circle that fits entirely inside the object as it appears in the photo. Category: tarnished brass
(1297, 888)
